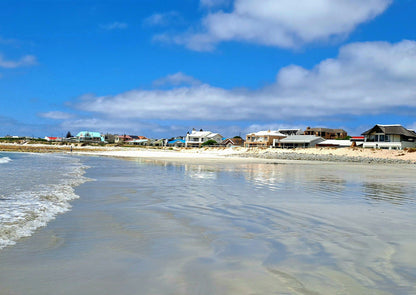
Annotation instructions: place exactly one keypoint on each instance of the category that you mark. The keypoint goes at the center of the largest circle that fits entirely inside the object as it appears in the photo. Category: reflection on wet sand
(391, 192)
(184, 228)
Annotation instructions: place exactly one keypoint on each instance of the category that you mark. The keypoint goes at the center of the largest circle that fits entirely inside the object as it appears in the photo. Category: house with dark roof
(231, 142)
(326, 133)
(389, 137)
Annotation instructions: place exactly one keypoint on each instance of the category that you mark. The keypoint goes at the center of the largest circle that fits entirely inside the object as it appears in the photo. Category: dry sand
(208, 153)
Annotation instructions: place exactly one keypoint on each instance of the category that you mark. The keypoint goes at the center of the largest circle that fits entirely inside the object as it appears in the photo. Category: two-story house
(263, 138)
(197, 138)
(389, 137)
(326, 133)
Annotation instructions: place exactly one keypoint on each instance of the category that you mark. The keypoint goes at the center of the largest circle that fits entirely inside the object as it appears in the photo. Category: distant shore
(308, 154)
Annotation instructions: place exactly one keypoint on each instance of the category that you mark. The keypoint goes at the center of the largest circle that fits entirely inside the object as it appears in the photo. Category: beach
(352, 154)
(151, 225)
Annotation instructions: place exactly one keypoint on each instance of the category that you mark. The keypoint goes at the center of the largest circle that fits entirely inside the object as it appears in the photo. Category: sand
(233, 153)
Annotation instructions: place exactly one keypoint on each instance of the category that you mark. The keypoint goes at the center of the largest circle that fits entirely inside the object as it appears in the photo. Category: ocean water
(34, 188)
(161, 227)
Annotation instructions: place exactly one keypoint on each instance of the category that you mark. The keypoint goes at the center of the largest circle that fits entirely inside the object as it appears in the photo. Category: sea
(98, 225)
(34, 188)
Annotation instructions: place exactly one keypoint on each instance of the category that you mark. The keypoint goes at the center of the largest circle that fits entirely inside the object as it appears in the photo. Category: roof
(207, 134)
(301, 139)
(391, 130)
(175, 141)
(234, 141)
(200, 133)
(268, 133)
(89, 134)
(137, 137)
(325, 130)
(213, 135)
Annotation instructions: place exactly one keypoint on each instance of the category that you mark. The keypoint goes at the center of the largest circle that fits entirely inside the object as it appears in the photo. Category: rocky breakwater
(326, 157)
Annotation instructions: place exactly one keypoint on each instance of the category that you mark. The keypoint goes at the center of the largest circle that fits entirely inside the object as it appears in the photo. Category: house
(176, 143)
(129, 139)
(157, 142)
(197, 138)
(326, 133)
(137, 141)
(90, 136)
(263, 138)
(51, 138)
(231, 142)
(298, 141)
(389, 137)
(122, 138)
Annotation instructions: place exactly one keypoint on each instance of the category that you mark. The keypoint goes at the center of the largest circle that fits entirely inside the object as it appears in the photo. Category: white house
(197, 138)
(389, 137)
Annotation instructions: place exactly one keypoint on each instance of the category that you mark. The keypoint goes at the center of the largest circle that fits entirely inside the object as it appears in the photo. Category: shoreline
(351, 155)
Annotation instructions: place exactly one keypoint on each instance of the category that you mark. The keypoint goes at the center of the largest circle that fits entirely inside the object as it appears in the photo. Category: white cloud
(365, 78)
(177, 79)
(27, 60)
(162, 19)
(281, 23)
(56, 115)
(115, 26)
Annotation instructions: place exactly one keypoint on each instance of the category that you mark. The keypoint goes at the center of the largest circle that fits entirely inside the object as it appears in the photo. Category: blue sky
(160, 68)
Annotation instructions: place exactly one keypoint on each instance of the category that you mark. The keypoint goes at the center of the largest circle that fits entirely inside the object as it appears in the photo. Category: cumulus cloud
(27, 60)
(281, 23)
(115, 26)
(56, 115)
(365, 78)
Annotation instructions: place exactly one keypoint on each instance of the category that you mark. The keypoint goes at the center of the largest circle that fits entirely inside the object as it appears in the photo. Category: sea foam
(4, 160)
(24, 210)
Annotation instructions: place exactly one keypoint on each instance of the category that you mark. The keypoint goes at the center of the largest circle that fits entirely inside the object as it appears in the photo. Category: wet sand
(158, 227)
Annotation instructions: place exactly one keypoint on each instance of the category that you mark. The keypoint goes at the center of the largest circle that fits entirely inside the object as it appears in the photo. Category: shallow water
(34, 188)
(157, 227)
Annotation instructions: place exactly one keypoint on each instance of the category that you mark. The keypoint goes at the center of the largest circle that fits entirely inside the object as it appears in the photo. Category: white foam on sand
(5, 160)
(23, 213)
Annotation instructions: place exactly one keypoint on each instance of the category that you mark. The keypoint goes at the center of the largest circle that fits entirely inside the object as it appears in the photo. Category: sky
(160, 68)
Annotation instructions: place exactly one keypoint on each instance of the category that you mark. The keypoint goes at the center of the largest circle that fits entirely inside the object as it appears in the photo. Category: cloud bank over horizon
(365, 78)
